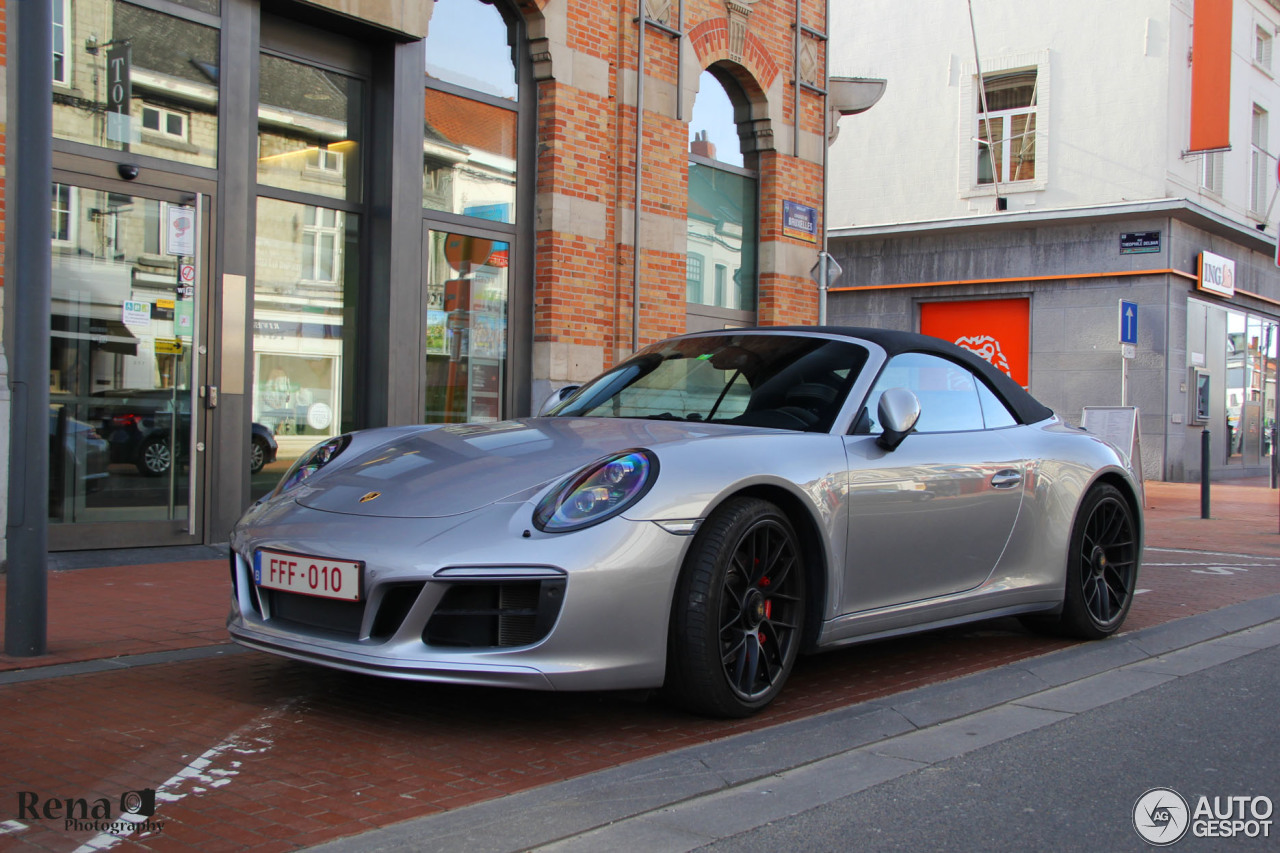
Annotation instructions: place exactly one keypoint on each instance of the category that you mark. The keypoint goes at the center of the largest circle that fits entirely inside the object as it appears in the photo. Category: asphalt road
(1051, 753)
(1073, 785)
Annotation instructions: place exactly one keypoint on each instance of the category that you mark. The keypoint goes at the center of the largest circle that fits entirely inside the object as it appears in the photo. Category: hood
(443, 471)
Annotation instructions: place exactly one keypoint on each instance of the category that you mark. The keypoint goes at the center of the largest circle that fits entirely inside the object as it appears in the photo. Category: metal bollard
(1204, 473)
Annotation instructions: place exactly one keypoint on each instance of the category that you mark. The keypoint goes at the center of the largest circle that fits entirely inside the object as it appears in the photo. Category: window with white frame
(166, 122)
(1260, 170)
(321, 244)
(61, 38)
(693, 277)
(1006, 127)
(324, 160)
(63, 225)
(1211, 175)
(1262, 48)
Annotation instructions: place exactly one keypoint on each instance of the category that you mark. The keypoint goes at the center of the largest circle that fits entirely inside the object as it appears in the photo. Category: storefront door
(465, 298)
(128, 394)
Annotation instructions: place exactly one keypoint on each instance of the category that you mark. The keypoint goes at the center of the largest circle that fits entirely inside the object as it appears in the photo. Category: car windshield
(776, 381)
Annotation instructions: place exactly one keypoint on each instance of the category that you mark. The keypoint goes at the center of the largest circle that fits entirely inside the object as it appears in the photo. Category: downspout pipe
(639, 182)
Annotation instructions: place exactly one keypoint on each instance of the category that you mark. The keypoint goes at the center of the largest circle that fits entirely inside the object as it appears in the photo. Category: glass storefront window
(304, 327)
(121, 339)
(469, 157)
(469, 44)
(130, 79)
(722, 234)
(310, 129)
(466, 328)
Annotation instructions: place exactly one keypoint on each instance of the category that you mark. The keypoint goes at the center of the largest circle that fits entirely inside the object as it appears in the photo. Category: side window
(994, 413)
(948, 393)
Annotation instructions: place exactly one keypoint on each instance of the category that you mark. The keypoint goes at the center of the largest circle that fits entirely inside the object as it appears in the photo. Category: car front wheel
(257, 455)
(154, 458)
(738, 613)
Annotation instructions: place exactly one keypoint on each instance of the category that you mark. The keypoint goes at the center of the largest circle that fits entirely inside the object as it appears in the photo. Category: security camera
(128, 171)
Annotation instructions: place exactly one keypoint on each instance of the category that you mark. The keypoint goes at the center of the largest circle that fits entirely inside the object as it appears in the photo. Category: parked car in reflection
(75, 449)
(140, 428)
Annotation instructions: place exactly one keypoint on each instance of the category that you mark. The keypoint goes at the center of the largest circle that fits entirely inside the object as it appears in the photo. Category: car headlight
(599, 491)
(312, 461)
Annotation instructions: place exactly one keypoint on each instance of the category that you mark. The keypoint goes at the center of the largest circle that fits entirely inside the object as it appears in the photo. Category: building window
(693, 277)
(1259, 163)
(1006, 132)
(171, 61)
(63, 225)
(324, 160)
(1262, 49)
(165, 122)
(469, 45)
(322, 244)
(61, 37)
(1211, 175)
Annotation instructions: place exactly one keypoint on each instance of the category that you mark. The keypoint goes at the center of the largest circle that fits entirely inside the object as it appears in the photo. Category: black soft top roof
(1026, 408)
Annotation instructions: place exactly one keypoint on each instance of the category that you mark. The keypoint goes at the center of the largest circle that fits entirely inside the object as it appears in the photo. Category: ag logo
(1161, 816)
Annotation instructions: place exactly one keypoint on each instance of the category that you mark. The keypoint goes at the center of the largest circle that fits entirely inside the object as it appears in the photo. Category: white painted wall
(1113, 116)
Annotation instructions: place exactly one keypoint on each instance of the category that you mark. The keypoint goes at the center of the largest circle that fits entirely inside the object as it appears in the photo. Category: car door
(932, 517)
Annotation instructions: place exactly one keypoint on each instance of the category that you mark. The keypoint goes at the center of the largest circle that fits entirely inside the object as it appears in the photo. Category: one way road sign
(1128, 322)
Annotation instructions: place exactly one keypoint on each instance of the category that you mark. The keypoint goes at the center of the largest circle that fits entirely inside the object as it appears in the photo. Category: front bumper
(481, 599)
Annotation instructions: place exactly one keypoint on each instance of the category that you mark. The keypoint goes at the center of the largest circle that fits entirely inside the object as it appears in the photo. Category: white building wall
(1113, 113)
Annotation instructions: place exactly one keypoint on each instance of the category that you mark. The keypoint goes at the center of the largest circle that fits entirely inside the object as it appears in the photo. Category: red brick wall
(586, 150)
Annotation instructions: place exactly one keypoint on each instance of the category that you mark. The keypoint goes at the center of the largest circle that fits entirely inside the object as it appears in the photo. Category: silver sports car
(694, 519)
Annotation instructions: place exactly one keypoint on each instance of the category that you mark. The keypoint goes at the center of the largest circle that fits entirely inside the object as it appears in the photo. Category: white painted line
(214, 768)
(12, 827)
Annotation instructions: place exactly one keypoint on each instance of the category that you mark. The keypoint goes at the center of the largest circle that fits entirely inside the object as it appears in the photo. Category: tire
(154, 458)
(738, 614)
(257, 455)
(1102, 568)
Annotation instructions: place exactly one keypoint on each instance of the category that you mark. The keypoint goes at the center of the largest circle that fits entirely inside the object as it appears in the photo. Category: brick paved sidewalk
(111, 611)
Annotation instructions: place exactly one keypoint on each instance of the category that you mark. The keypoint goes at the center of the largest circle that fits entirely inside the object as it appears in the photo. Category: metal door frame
(102, 176)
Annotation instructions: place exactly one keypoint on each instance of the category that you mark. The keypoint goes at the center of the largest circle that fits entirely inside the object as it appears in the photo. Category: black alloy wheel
(738, 613)
(1102, 568)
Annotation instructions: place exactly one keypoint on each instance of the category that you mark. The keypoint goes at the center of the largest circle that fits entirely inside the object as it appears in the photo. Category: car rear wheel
(738, 613)
(1102, 568)
(257, 455)
(154, 458)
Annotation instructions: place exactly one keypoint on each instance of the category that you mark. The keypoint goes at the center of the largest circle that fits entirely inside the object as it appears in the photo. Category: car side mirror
(898, 412)
(557, 397)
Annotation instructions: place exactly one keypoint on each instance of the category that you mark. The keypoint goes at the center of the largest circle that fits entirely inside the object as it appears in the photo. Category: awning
(108, 335)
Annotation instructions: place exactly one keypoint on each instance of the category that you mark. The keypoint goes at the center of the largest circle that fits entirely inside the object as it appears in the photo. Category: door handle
(210, 394)
(1006, 479)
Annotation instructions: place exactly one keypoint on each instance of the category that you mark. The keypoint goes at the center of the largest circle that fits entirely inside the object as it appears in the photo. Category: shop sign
(799, 221)
(1140, 243)
(136, 314)
(119, 92)
(1217, 275)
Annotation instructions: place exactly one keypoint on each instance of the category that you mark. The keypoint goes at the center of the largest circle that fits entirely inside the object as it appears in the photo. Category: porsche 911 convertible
(693, 520)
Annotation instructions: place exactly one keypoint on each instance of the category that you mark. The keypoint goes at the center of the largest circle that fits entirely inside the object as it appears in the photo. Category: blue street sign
(1128, 322)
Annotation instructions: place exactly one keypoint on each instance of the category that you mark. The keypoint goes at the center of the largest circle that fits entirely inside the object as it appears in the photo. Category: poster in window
(998, 330)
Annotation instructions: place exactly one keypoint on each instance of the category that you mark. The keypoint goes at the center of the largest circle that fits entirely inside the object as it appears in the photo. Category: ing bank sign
(1216, 275)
